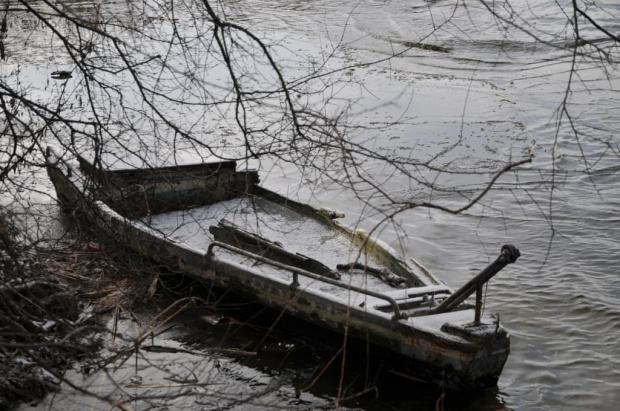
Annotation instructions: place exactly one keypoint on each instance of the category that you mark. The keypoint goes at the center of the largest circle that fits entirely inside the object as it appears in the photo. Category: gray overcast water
(500, 92)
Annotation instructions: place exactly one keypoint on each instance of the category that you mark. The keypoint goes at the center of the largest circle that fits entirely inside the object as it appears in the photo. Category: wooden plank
(228, 233)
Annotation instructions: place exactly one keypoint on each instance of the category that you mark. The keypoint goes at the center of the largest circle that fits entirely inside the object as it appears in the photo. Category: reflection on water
(497, 87)
(193, 365)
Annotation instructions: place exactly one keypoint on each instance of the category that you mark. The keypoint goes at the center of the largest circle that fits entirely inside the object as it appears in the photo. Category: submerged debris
(381, 273)
(61, 75)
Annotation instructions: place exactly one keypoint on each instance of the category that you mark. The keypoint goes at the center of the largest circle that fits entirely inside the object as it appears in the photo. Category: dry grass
(101, 278)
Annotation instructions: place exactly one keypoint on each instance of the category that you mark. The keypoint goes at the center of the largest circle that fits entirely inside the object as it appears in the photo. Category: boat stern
(453, 351)
(482, 367)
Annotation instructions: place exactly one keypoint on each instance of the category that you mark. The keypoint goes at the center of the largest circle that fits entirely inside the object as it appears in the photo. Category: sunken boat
(215, 222)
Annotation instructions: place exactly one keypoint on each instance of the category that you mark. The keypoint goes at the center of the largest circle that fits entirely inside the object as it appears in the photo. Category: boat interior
(206, 203)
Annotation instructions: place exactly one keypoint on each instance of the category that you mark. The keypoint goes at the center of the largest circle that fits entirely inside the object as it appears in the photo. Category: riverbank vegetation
(55, 301)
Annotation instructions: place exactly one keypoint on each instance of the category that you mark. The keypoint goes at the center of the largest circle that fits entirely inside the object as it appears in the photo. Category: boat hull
(444, 349)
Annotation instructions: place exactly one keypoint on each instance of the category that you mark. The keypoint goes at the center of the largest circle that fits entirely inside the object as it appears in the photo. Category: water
(493, 95)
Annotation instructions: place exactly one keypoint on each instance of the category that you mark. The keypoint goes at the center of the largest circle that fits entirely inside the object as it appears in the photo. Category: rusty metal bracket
(297, 272)
(509, 255)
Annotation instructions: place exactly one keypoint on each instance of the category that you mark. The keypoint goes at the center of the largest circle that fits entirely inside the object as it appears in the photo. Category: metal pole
(478, 304)
(508, 255)
(210, 257)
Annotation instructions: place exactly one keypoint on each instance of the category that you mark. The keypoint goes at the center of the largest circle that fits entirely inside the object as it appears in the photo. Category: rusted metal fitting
(511, 252)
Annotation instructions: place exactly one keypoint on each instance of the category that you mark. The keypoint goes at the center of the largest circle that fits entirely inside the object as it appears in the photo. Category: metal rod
(297, 271)
(508, 255)
(478, 304)
(295, 282)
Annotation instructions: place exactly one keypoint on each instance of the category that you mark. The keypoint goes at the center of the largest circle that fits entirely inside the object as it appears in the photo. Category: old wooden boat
(218, 224)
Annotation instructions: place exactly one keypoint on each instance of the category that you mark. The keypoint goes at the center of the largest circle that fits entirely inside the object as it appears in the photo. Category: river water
(492, 92)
